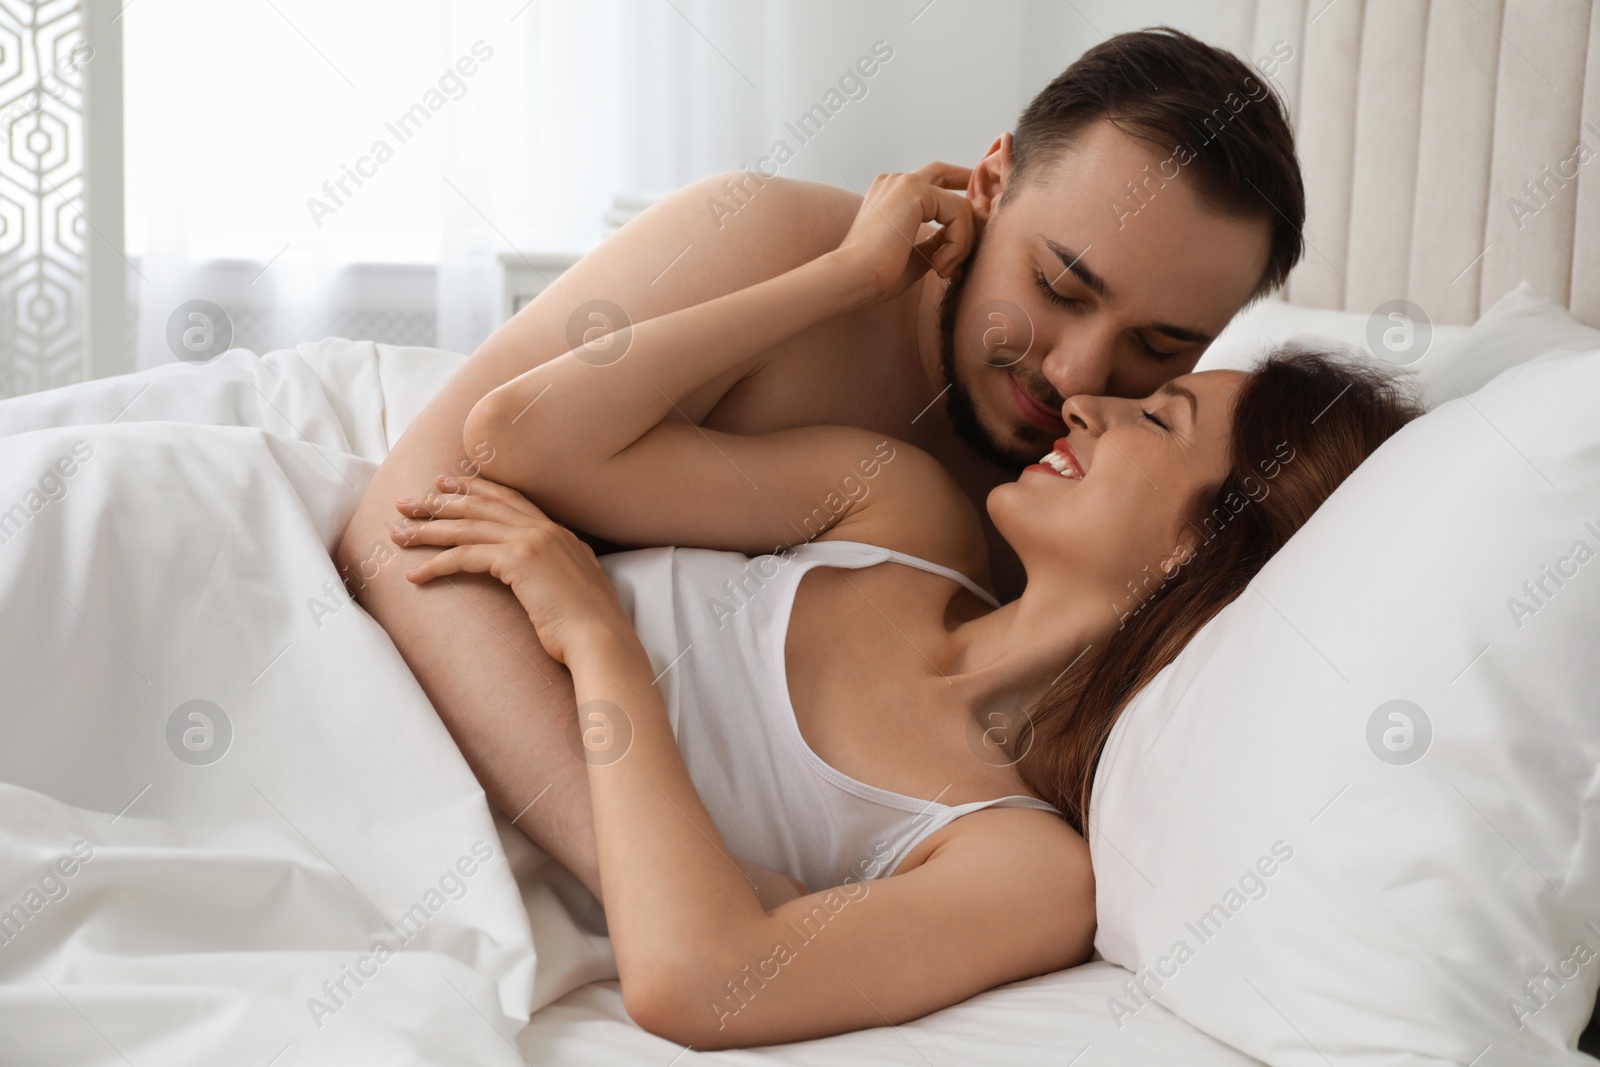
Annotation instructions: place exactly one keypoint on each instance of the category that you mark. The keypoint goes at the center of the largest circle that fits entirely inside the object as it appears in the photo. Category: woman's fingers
(472, 498)
(953, 212)
(465, 559)
(450, 532)
(929, 251)
(462, 506)
(489, 490)
(946, 175)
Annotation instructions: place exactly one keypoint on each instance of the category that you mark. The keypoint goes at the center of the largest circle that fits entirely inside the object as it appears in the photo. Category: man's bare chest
(854, 370)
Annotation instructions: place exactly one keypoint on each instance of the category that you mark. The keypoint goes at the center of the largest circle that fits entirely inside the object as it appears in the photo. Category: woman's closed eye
(1151, 416)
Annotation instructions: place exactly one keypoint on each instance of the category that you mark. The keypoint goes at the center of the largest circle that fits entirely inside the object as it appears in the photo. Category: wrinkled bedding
(232, 828)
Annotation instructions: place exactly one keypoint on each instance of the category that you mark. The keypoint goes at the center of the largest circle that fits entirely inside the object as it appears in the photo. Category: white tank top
(714, 624)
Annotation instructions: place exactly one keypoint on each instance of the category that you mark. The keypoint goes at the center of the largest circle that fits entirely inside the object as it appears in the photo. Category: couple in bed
(949, 496)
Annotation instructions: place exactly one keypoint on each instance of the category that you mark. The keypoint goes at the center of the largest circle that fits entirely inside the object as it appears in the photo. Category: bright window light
(237, 113)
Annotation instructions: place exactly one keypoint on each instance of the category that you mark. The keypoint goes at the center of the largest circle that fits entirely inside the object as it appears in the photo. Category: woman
(857, 709)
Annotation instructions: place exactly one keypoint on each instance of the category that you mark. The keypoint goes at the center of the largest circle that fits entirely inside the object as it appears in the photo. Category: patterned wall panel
(42, 229)
(1449, 149)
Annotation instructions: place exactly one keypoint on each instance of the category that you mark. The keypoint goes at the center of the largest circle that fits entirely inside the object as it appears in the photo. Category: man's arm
(506, 703)
(605, 457)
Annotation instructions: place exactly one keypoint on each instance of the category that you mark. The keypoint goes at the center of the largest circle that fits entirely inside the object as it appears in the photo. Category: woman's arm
(1002, 895)
(610, 452)
(1008, 897)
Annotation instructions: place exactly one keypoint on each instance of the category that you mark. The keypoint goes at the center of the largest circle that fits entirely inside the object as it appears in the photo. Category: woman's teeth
(1059, 463)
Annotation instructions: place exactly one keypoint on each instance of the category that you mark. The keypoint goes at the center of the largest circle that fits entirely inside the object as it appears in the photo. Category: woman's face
(1116, 494)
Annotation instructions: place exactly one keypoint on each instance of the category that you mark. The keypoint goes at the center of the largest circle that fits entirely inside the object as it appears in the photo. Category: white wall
(238, 113)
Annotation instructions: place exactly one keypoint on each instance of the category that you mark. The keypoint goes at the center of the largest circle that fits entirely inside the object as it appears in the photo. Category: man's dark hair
(1180, 95)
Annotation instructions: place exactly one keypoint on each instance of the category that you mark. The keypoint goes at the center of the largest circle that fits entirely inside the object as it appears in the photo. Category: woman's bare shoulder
(1038, 862)
(1025, 831)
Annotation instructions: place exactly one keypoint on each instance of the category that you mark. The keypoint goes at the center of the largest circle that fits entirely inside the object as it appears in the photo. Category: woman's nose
(1084, 412)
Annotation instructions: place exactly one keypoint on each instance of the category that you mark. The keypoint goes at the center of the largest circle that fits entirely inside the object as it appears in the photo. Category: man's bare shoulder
(711, 237)
(920, 508)
(795, 221)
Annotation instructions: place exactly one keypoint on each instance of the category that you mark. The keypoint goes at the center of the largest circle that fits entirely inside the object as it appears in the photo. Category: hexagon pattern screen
(42, 228)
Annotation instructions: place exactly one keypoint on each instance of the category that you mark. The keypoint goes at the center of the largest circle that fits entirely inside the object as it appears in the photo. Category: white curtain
(236, 116)
(239, 113)
(634, 99)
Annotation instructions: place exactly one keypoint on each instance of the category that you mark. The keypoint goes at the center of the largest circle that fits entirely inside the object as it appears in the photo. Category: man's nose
(1080, 361)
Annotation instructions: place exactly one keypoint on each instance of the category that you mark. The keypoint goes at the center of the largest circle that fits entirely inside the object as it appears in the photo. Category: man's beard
(959, 407)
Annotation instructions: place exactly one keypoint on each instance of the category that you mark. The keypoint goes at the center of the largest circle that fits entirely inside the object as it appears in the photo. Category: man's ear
(989, 179)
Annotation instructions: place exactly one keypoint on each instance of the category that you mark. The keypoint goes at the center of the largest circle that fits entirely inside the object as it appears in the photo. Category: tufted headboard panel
(1451, 148)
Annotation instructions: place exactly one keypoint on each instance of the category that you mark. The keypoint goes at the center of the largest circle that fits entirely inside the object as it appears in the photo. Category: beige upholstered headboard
(1451, 148)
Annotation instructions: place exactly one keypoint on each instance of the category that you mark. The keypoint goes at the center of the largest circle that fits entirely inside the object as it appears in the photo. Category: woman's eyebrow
(1174, 389)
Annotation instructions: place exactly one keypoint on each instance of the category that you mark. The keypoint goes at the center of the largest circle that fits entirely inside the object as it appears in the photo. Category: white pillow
(1267, 324)
(1266, 862)
(1521, 325)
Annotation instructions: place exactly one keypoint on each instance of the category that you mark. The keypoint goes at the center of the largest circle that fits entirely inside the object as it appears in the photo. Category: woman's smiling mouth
(1061, 460)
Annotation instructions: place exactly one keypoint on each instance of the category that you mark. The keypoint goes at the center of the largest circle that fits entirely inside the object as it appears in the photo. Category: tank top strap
(862, 554)
(942, 815)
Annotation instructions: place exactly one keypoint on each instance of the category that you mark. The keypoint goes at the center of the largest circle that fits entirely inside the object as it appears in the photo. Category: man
(1147, 194)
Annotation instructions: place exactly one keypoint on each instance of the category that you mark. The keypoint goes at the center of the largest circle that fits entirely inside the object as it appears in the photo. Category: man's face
(1097, 276)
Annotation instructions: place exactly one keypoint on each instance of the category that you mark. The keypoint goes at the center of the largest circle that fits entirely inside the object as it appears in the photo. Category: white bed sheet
(187, 558)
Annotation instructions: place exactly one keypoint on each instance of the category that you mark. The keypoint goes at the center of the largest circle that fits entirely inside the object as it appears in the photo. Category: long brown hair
(1302, 421)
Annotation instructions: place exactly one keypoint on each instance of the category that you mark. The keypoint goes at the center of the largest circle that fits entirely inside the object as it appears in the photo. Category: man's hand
(883, 237)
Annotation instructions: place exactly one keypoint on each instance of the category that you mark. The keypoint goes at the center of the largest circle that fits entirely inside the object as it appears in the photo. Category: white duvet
(232, 828)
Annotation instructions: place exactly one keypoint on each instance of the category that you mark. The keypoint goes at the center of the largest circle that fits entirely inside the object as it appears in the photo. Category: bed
(263, 792)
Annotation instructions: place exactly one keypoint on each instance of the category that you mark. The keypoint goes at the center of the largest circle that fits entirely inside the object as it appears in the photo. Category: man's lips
(1035, 412)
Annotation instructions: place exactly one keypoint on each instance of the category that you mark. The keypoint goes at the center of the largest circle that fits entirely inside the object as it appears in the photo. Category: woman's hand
(881, 237)
(488, 528)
